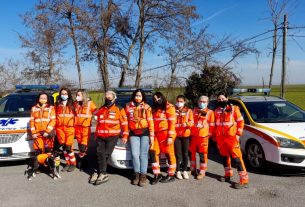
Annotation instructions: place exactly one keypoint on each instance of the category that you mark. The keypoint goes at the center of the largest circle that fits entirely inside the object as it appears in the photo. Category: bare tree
(45, 38)
(11, 74)
(277, 9)
(160, 17)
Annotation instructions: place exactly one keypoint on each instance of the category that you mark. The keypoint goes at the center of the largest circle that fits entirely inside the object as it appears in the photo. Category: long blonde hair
(85, 96)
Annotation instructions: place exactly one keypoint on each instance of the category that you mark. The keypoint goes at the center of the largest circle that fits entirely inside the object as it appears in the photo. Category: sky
(241, 19)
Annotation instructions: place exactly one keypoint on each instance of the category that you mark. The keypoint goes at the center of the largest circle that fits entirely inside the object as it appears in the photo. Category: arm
(32, 124)
(124, 125)
(150, 122)
(211, 122)
(52, 122)
(239, 120)
(171, 119)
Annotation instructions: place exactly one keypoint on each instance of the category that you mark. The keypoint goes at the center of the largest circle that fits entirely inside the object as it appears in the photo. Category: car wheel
(255, 155)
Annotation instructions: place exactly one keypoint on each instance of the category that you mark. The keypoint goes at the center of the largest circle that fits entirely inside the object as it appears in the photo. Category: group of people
(177, 131)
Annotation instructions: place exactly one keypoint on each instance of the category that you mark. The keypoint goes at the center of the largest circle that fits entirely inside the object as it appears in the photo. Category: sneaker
(93, 178)
(240, 185)
(178, 175)
(156, 179)
(200, 176)
(224, 179)
(102, 178)
(142, 181)
(168, 179)
(136, 179)
(185, 175)
(66, 168)
(71, 168)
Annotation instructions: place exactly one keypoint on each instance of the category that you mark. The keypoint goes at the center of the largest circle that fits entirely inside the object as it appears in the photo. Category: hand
(34, 136)
(151, 141)
(237, 137)
(45, 134)
(124, 140)
(170, 140)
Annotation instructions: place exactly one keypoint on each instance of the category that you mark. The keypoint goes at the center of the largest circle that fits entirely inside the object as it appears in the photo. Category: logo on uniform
(6, 122)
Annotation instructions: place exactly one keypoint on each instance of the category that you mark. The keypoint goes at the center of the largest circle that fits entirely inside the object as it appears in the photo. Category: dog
(50, 162)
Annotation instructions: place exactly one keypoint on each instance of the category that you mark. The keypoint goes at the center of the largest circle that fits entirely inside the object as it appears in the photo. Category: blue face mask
(64, 97)
(202, 105)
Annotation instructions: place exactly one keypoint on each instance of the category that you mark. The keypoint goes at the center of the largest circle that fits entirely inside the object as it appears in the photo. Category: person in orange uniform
(185, 122)
(42, 123)
(111, 124)
(164, 115)
(84, 109)
(65, 132)
(141, 127)
(201, 132)
(229, 127)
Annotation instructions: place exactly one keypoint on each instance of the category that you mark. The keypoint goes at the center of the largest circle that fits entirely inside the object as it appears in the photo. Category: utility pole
(283, 80)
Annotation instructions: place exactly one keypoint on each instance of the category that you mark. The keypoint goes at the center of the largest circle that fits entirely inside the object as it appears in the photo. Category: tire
(255, 155)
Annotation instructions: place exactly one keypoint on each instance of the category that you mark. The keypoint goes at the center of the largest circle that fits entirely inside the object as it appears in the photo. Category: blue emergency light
(251, 90)
(37, 87)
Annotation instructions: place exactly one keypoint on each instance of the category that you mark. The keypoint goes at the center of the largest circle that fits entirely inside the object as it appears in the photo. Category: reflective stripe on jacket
(140, 117)
(185, 122)
(64, 116)
(165, 120)
(203, 122)
(42, 119)
(83, 116)
(228, 121)
(111, 121)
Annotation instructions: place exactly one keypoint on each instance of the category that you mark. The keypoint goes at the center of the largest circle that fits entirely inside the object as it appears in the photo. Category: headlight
(288, 143)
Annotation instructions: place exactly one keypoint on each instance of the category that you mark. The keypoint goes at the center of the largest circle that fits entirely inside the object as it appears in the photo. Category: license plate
(4, 152)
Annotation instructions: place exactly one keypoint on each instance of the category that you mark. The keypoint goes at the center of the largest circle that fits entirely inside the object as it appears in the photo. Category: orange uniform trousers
(160, 145)
(200, 145)
(41, 143)
(82, 134)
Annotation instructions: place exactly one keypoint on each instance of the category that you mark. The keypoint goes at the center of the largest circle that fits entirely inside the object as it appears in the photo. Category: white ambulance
(274, 130)
(15, 137)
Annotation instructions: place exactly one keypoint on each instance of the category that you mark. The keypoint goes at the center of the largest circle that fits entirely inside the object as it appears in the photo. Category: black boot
(80, 163)
(168, 178)
(156, 179)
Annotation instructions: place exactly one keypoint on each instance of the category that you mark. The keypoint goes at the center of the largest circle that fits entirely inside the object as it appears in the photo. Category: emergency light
(37, 87)
(122, 90)
(251, 90)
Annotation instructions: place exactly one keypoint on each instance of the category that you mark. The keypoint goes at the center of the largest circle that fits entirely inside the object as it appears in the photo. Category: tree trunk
(274, 48)
(142, 42)
(51, 64)
(76, 51)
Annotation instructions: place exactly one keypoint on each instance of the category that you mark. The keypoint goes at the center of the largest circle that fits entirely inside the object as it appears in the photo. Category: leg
(154, 155)
(192, 154)
(109, 147)
(185, 159)
(100, 153)
(135, 152)
(178, 152)
(143, 159)
(203, 154)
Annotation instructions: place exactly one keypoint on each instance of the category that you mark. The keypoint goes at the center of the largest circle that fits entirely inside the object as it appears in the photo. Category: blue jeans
(139, 151)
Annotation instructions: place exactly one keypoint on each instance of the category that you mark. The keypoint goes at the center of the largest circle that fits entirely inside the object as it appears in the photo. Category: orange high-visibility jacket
(83, 116)
(140, 117)
(203, 122)
(165, 120)
(111, 121)
(41, 158)
(228, 121)
(185, 121)
(64, 116)
(42, 119)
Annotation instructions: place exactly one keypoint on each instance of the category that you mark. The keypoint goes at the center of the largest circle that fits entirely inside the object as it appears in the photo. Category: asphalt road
(268, 188)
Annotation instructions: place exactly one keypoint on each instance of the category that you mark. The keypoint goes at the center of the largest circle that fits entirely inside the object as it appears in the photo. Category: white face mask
(78, 98)
(179, 104)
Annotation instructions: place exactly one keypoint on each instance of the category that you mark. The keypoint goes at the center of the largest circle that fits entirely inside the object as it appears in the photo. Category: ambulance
(15, 108)
(274, 131)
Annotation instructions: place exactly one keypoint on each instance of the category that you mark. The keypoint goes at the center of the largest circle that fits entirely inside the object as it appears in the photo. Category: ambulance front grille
(9, 138)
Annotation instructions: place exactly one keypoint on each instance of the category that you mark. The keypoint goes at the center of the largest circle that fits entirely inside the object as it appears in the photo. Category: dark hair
(163, 103)
(222, 93)
(182, 97)
(69, 101)
(38, 97)
(134, 95)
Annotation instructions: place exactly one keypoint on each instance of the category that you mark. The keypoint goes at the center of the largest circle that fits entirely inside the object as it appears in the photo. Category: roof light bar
(37, 87)
(251, 90)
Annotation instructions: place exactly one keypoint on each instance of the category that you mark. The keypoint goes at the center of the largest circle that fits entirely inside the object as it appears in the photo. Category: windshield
(276, 111)
(18, 105)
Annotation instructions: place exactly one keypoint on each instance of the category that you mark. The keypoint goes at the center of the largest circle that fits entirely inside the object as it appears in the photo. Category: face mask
(202, 105)
(64, 97)
(222, 104)
(42, 101)
(109, 102)
(179, 104)
(78, 98)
